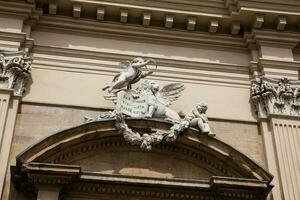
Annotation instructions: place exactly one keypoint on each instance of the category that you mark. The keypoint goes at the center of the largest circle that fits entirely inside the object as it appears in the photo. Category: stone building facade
(240, 57)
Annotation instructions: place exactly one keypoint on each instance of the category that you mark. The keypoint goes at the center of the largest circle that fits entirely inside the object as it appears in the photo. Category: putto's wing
(111, 97)
(170, 93)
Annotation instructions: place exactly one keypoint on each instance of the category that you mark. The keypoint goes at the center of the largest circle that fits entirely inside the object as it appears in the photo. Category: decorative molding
(280, 64)
(219, 157)
(232, 75)
(147, 18)
(100, 13)
(270, 96)
(191, 23)
(279, 39)
(208, 161)
(52, 8)
(281, 23)
(258, 21)
(123, 15)
(224, 12)
(15, 69)
(134, 186)
(213, 25)
(76, 10)
(235, 28)
(169, 20)
(137, 33)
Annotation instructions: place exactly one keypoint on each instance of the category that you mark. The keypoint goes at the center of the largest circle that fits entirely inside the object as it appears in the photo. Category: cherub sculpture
(159, 100)
(197, 119)
(131, 74)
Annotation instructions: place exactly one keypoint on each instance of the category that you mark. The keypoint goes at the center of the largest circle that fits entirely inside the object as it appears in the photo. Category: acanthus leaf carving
(15, 68)
(271, 96)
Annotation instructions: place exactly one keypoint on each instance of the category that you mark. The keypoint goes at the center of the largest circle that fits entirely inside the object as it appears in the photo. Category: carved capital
(270, 96)
(15, 69)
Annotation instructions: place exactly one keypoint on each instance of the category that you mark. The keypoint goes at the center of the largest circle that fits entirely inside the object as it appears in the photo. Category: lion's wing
(170, 93)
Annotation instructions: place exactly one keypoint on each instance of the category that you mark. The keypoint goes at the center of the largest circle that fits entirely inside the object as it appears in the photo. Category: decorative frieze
(15, 69)
(270, 96)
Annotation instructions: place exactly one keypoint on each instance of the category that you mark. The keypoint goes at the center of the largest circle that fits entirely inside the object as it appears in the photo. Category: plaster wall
(10, 24)
(65, 64)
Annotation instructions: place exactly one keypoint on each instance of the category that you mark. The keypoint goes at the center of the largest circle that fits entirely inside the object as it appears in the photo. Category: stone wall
(35, 122)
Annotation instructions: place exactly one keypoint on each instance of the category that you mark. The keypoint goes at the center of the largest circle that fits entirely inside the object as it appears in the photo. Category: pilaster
(14, 72)
(276, 103)
(275, 57)
(8, 111)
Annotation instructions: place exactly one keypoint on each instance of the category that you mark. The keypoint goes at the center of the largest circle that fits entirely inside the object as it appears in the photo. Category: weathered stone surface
(198, 160)
(243, 136)
(139, 163)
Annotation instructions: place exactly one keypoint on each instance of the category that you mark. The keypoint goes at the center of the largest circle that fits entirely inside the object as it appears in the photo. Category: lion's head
(150, 85)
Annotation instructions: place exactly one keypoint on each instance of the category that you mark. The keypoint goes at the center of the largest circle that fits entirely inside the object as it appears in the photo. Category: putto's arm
(140, 65)
(146, 74)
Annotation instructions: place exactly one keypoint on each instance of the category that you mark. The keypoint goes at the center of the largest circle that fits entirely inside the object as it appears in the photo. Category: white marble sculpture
(198, 119)
(130, 74)
(148, 100)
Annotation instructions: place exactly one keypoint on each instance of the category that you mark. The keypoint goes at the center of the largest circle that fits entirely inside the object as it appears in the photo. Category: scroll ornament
(271, 96)
(15, 69)
(148, 101)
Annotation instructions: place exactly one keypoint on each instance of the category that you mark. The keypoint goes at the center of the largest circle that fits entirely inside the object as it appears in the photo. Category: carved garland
(146, 141)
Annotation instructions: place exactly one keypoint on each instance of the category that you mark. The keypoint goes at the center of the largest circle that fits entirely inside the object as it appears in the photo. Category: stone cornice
(293, 65)
(272, 38)
(171, 8)
(135, 32)
(20, 9)
(277, 7)
(208, 16)
(168, 21)
(70, 170)
(71, 179)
